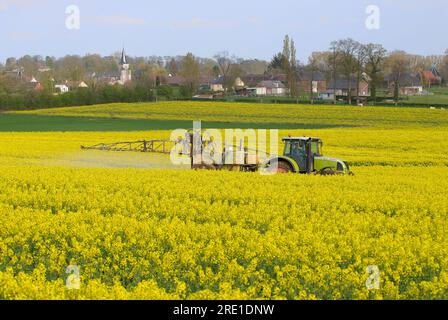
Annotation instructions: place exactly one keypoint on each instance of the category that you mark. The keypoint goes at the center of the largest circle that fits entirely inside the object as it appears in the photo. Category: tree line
(345, 58)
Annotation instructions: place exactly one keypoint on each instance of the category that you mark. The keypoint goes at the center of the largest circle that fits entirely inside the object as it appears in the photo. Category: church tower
(125, 71)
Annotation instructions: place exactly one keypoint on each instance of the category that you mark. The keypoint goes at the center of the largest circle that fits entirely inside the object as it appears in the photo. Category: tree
(397, 63)
(313, 67)
(191, 73)
(287, 61)
(361, 59)
(347, 50)
(224, 62)
(254, 66)
(333, 62)
(172, 67)
(11, 63)
(444, 67)
(276, 63)
(294, 92)
(375, 54)
(286, 53)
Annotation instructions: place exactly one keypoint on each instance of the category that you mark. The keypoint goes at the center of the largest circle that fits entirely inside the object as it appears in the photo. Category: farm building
(410, 84)
(271, 88)
(309, 81)
(343, 86)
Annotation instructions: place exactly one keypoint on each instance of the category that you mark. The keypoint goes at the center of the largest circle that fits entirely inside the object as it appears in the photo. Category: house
(76, 85)
(256, 91)
(174, 81)
(252, 80)
(206, 83)
(217, 84)
(431, 78)
(271, 88)
(344, 86)
(239, 83)
(410, 84)
(61, 88)
(39, 87)
(82, 84)
(327, 95)
(309, 81)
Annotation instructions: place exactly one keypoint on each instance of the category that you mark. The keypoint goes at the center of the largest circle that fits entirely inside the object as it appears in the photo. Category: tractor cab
(303, 150)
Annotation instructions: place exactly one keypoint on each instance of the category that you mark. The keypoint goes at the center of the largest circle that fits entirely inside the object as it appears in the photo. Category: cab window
(315, 148)
(287, 148)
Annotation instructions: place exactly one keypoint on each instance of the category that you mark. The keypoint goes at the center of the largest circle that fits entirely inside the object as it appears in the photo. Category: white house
(271, 88)
(326, 95)
(62, 88)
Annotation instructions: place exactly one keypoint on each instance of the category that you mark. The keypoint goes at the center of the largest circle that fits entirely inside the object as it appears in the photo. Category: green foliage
(82, 96)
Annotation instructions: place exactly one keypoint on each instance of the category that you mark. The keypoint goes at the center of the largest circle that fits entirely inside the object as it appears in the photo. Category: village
(352, 73)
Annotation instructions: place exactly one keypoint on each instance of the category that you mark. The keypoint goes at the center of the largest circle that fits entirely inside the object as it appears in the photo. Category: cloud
(120, 20)
(6, 4)
(23, 36)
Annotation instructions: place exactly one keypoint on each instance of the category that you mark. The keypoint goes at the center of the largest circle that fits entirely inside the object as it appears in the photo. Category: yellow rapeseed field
(260, 113)
(137, 228)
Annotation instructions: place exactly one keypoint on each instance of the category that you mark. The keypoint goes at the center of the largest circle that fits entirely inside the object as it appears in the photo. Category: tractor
(300, 155)
(304, 155)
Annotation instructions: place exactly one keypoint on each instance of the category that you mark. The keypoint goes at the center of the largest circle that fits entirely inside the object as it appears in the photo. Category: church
(125, 71)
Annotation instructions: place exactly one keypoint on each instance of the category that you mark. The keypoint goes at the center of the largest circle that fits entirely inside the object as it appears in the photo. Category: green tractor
(304, 155)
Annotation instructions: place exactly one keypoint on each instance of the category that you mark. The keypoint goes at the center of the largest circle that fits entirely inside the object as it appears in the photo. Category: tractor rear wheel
(279, 166)
(283, 167)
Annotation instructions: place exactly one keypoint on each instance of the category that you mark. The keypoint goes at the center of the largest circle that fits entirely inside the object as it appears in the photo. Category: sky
(244, 28)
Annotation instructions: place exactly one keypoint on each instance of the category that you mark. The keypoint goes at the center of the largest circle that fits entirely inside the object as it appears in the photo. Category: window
(287, 148)
(315, 148)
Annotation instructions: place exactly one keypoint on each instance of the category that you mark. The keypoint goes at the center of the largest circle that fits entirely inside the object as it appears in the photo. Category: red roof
(429, 76)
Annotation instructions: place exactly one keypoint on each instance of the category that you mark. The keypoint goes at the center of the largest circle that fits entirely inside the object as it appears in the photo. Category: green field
(42, 123)
(242, 115)
(436, 99)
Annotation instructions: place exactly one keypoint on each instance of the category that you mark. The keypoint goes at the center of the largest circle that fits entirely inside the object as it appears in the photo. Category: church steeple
(123, 60)
(125, 70)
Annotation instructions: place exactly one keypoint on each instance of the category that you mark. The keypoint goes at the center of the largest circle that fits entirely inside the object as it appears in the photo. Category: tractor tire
(328, 172)
(283, 167)
(279, 167)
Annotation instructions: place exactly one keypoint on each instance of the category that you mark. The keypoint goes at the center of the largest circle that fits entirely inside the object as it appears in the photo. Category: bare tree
(375, 54)
(347, 49)
(361, 59)
(397, 63)
(313, 68)
(444, 67)
(224, 61)
(191, 72)
(333, 62)
(293, 90)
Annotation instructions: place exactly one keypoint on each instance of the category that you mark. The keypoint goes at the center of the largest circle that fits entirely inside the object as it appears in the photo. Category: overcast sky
(245, 28)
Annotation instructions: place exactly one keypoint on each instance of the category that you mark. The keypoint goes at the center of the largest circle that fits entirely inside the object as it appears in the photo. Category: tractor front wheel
(328, 172)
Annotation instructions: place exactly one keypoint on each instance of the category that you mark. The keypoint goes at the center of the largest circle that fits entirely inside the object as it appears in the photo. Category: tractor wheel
(328, 172)
(279, 167)
(284, 167)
